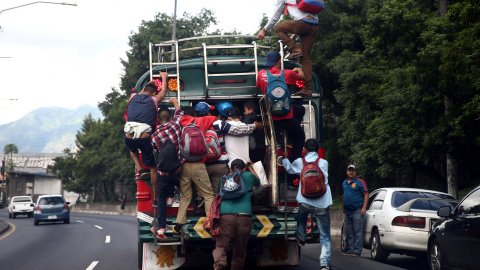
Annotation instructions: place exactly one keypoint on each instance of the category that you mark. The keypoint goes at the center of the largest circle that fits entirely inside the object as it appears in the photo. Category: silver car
(398, 220)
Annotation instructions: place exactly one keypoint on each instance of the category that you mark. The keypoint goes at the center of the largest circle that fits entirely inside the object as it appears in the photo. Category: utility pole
(450, 158)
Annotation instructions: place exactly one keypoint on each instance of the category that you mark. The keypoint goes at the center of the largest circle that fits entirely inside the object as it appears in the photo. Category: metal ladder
(229, 46)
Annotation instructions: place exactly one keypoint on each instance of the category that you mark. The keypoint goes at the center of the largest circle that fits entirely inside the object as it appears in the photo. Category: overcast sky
(68, 56)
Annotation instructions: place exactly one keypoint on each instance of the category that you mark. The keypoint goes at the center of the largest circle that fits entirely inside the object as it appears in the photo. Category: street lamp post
(39, 2)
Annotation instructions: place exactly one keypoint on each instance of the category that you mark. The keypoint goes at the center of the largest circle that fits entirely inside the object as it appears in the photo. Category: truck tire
(9, 215)
(14, 216)
(376, 250)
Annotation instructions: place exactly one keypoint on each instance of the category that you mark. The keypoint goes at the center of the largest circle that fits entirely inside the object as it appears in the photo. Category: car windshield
(22, 199)
(401, 197)
(51, 201)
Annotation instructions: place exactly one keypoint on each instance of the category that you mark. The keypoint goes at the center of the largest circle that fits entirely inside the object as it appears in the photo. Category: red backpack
(193, 146)
(310, 6)
(312, 179)
(214, 150)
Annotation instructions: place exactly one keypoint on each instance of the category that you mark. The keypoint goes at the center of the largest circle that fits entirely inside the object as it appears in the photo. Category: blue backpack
(233, 186)
(278, 94)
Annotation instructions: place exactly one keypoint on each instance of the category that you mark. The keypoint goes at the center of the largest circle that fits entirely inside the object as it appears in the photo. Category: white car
(398, 220)
(20, 205)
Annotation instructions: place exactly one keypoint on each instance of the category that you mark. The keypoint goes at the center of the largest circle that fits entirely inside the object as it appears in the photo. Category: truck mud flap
(278, 252)
(161, 257)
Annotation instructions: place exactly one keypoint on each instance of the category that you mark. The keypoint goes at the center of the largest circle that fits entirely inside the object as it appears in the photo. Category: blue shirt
(142, 109)
(353, 198)
(296, 168)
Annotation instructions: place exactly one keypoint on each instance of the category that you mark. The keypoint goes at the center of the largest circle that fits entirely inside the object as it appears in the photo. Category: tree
(10, 149)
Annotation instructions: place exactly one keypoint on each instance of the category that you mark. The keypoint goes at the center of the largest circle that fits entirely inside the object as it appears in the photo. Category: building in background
(33, 176)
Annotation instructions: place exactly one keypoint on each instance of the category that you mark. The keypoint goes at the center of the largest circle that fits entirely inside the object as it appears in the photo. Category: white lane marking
(79, 221)
(99, 227)
(107, 239)
(92, 265)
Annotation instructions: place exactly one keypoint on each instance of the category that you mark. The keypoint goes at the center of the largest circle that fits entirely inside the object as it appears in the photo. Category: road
(96, 242)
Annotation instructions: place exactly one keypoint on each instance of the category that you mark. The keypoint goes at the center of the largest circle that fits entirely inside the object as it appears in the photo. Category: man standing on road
(355, 199)
(319, 207)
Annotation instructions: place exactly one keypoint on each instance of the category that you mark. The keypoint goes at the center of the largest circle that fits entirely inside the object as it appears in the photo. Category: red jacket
(213, 216)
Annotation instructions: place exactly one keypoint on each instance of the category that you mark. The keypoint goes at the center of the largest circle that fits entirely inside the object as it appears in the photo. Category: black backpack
(168, 160)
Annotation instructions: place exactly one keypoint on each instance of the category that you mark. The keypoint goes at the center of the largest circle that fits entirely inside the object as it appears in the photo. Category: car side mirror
(68, 202)
(444, 211)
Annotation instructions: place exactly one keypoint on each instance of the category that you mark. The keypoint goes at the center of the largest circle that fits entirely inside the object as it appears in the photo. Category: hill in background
(46, 130)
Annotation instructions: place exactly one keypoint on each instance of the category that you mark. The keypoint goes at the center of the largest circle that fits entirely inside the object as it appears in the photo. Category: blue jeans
(165, 188)
(323, 221)
(354, 227)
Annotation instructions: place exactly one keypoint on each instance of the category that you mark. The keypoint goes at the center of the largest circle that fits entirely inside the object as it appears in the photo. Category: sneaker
(293, 56)
(144, 173)
(161, 231)
(304, 93)
(300, 243)
(355, 254)
(346, 254)
(200, 202)
(219, 267)
(177, 229)
(169, 201)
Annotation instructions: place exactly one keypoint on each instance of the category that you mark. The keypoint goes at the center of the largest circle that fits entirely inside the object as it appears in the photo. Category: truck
(20, 205)
(225, 68)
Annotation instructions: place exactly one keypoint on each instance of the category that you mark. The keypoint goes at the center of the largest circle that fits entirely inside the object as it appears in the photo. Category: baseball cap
(272, 58)
(351, 166)
(238, 164)
(203, 107)
(223, 107)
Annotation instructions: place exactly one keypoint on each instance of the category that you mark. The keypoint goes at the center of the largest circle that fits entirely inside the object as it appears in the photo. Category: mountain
(46, 130)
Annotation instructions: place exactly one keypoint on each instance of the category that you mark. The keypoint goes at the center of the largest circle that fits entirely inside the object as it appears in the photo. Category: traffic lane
(71, 246)
(121, 251)
(49, 245)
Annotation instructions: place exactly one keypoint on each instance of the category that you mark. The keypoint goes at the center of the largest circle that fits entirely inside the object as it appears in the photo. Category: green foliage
(10, 149)
(387, 68)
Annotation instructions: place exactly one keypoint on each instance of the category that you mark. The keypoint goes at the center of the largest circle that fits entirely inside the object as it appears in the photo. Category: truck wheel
(13, 215)
(376, 250)
(9, 215)
(343, 239)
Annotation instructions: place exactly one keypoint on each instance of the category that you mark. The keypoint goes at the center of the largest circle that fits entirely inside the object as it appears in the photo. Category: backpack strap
(125, 114)
(287, 4)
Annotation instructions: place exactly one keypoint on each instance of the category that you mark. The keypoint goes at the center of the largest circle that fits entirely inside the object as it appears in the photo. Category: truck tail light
(409, 221)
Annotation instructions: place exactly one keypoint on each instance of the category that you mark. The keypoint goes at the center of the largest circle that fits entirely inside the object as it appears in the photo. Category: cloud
(67, 56)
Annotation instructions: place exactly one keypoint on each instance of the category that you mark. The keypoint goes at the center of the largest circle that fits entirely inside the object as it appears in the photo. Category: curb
(4, 226)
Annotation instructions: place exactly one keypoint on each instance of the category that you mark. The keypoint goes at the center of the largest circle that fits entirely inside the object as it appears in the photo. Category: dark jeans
(307, 35)
(295, 131)
(165, 187)
(237, 229)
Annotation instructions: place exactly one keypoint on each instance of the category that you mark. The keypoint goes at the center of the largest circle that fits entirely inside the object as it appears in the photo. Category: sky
(54, 55)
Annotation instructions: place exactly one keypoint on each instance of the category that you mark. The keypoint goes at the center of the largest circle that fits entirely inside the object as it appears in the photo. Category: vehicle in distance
(20, 205)
(455, 241)
(398, 220)
(50, 208)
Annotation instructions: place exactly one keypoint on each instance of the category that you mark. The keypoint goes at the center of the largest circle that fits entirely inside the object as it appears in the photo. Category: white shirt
(237, 146)
(292, 10)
